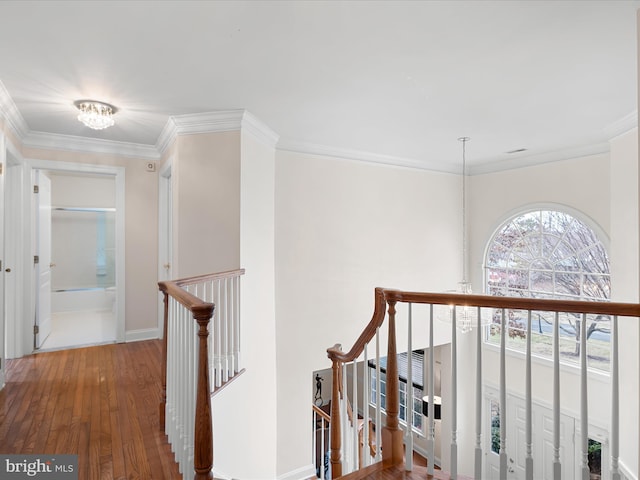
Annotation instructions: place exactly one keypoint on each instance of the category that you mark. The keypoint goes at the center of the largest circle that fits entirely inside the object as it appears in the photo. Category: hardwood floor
(100, 403)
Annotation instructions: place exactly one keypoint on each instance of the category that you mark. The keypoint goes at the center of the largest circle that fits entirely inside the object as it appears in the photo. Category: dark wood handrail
(321, 412)
(384, 295)
(336, 353)
(515, 303)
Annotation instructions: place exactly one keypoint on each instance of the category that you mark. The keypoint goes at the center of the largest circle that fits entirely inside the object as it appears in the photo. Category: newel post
(334, 424)
(163, 373)
(203, 441)
(392, 448)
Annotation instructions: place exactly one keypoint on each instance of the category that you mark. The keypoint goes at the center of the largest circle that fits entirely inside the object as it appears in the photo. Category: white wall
(141, 226)
(342, 229)
(244, 415)
(206, 175)
(588, 186)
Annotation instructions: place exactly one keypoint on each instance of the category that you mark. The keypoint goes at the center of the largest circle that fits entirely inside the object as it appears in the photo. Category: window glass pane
(495, 426)
(550, 254)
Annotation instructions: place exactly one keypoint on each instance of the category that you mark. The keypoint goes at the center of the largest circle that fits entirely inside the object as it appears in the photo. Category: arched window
(550, 254)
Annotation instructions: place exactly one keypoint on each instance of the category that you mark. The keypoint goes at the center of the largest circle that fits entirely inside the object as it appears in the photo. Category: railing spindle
(478, 450)
(335, 425)
(584, 407)
(378, 400)
(528, 406)
(392, 448)
(557, 467)
(615, 401)
(503, 396)
(454, 394)
(408, 411)
(431, 406)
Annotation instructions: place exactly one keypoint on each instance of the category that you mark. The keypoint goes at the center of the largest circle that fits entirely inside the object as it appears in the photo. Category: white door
(542, 443)
(43, 267)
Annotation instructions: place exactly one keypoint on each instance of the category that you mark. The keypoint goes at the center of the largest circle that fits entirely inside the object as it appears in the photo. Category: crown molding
(195, 123)
(514, 162)
(213, 122)
(358, 155)
(11, 114)
(259, 130)
(621, 126)
(55, 141)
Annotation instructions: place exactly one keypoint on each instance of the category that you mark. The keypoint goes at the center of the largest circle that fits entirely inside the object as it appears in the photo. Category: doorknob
(167, 266)
(51, 265)
(8, 270)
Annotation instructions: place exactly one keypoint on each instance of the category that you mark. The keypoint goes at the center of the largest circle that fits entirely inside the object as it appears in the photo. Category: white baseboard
(140, 335)
(301, 473)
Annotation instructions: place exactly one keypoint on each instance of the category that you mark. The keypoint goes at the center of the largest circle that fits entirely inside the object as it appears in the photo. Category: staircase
(473, 310)
(201, 355)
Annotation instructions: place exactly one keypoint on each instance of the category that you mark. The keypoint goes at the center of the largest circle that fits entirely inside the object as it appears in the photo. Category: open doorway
(77, 236)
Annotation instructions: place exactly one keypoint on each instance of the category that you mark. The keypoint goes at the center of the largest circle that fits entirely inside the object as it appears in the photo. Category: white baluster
(366, 392)
(454, 397)
(356, 440)
(557, 467)
(478, 450)
(408, 462)
(584, 409)
(431, 407)
(528, 406)
(503, 397)
(615, 401)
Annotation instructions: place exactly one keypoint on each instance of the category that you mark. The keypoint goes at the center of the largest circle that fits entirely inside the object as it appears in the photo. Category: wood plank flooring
(98, 402)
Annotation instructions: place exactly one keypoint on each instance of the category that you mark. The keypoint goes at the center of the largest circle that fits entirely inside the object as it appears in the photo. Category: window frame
(602, 241)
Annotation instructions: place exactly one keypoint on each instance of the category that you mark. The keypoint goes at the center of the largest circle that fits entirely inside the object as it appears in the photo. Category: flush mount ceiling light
(95, 115)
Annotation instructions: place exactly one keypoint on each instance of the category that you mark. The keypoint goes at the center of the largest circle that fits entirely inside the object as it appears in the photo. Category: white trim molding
(12, 115)
(141, 335)
(301, 473)
(349, 154)
(622, 125)
(55, 141)
(213, 122)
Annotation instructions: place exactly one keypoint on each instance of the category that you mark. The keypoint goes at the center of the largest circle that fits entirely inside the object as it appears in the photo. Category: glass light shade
(95, 115)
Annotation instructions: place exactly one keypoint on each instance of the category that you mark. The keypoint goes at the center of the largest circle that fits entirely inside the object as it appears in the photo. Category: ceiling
(388, 81)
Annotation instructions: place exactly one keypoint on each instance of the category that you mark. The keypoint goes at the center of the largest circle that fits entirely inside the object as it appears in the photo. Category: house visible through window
(550, 254)
(411, 407)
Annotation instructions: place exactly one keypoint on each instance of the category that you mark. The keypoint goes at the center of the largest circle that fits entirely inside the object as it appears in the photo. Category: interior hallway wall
(141, 227)
(343, 228)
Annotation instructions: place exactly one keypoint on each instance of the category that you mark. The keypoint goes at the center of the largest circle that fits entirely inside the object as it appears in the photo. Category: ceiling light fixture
(466, 317)
(94, 114)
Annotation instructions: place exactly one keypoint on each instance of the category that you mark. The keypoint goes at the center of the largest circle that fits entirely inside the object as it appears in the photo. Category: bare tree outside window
(551, 254)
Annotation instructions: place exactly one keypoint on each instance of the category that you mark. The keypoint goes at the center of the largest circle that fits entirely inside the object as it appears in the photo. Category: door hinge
(1, 168)
(36, 189)
(36, 259)
(36, 329)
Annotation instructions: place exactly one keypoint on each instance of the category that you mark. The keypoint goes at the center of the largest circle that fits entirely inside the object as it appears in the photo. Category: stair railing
(195, 363)
(480, 305)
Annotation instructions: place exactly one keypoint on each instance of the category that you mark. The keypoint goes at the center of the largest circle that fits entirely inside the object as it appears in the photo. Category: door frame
(14, 247)
(119, 176)
(165, 232)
